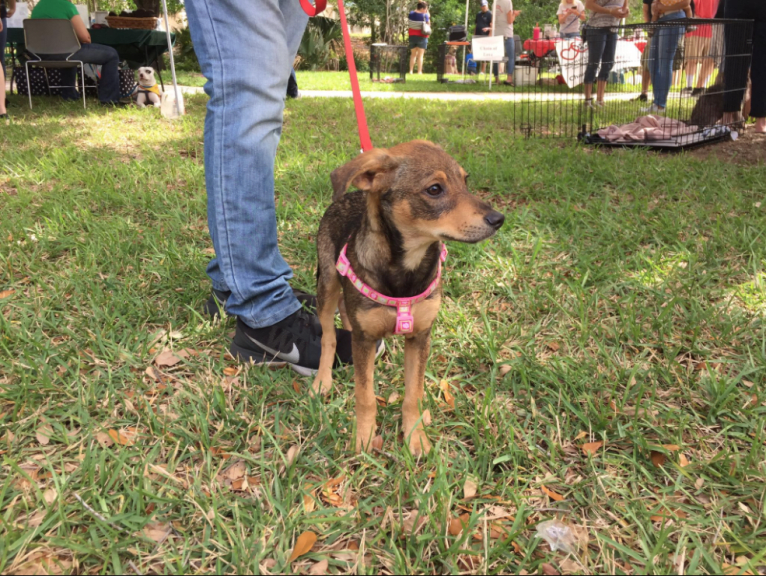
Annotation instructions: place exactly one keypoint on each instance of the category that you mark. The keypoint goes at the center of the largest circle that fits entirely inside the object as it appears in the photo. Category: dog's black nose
(494, 219)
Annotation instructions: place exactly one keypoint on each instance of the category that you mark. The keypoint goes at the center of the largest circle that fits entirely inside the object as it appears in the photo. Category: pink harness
(404, 320)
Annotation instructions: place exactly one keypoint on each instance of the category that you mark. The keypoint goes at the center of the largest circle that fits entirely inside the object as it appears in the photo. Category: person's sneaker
(641, 97)
(217, 301)
(295, 341)
(698, 92)
(653, 109)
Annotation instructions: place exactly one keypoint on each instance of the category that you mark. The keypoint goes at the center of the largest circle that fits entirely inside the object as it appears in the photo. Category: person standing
(419, 31)
(663, 51)
(483, 25)
(601, 36)
(7, 9)
(503, 26)
(570, 14)
(250, 279)
(698, 47)
(89, 53)
(735, 68)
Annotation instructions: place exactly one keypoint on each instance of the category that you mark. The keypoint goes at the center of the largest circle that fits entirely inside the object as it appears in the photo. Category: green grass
(622, 302)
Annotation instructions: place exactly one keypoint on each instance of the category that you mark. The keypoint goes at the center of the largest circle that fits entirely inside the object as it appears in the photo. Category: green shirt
(58, 9)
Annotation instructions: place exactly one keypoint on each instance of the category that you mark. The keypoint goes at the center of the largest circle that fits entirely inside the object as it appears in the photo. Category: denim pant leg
(596, 44)
(607, 57)
(107, 57)
(510, 54)
(664, 46)
(246, 51)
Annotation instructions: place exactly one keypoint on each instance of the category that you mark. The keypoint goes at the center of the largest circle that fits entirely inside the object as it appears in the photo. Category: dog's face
(422, 190)
(146, 76)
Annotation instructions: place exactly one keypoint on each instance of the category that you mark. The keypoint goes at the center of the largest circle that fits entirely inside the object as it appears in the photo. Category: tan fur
(398, 225)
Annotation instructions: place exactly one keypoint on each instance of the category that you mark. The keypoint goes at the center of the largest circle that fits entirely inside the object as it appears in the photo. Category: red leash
(361, 118)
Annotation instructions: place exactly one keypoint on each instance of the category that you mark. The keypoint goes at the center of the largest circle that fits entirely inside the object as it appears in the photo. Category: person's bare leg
(646, 78)
(600, 90)
(705, 71)
(413, 55)
(760, 126)
(588, 91)
(483, 67)
(421, 53)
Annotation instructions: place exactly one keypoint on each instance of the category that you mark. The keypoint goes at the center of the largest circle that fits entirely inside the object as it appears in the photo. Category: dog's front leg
(416, 349)
(363, 349)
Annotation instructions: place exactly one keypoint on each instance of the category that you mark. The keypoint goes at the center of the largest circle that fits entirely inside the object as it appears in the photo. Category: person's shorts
(645, 56)
(418, 42)
(697, 48)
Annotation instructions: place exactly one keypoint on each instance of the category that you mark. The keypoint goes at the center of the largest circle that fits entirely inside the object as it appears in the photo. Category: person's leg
(692, 60)
(758, 77)
(413, 58)
(242, 130)
(107, 57)
(596, 46)
(666, 42)
(736, 62)
(3, 111)
(607, 63)
(510, 53)
(3, 39)
(421, 54)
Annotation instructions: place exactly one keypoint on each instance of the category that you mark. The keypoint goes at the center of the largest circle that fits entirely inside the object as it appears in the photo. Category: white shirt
(500, 18)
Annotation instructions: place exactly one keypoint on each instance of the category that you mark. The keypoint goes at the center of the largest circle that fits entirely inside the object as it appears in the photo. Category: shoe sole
(260, 359)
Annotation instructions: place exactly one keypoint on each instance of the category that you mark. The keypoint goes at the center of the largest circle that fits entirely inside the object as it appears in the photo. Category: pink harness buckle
(405, 322)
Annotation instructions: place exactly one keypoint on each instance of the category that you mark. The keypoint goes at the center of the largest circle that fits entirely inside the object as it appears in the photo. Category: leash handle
(317, 8)
(361, 118)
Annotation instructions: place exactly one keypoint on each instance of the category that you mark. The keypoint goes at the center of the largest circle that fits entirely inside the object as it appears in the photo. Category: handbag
(426, 28)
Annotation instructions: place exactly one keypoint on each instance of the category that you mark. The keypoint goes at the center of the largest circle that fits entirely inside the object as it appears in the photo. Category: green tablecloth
(138, 47)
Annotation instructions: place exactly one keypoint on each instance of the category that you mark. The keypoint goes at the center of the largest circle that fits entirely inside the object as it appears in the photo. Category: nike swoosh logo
(293, 357)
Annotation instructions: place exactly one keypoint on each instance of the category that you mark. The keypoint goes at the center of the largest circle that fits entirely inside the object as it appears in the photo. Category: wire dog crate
(668, 84)
(390, 60)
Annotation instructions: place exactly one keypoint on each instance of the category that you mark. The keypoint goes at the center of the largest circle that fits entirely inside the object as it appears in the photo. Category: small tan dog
(147, 92)
(383, 247)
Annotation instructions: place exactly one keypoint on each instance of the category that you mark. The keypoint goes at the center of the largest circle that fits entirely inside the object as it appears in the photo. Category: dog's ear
(362, 171)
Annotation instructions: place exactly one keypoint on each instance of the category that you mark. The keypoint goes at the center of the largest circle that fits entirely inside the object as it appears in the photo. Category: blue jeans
(510, 54)
(602, 47)
(108, 84)
(570, 35)
(246, 51)
(662, 51)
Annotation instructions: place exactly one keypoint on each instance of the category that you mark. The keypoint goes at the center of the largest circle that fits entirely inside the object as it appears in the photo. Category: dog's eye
(435, 190)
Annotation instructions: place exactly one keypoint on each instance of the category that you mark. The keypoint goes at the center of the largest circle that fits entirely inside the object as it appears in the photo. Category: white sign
(573, 58)
(488, 49)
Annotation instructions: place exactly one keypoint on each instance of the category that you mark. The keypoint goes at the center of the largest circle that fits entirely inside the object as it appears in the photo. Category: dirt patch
(748, 150)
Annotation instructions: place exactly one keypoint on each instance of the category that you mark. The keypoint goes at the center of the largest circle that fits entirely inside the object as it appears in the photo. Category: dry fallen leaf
(455, 527)
(50, 496)
(235, 471)
(592, 448)
(377, 442)
(6, 293)
(553, 495)
(296, 387)
(393, 397)
(658, 458)
(120, 438)
(303, 544)
(554, 346)
(104, 439)
(309, 502)
(469, 489)
(292, 455)
(698, 483)
(730, 570)
(35, 519)
(580, 436)
(683, 461)
(414, 522)
(320, 567)
(44, 434)
(167, 358)
(157, 531)
(230, 371)
(504, 369)
(549, 570)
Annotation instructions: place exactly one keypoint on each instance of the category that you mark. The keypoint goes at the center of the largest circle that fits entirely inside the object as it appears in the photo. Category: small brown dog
(383, 244)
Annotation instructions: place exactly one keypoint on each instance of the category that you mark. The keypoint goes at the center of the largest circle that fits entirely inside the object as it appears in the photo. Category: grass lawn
(620, 308)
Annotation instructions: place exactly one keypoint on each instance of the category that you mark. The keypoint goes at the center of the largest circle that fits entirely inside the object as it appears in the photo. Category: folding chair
(52, 37)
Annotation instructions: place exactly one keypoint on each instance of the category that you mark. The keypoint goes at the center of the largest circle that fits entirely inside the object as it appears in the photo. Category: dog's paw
(364, 438)
(418, 442)
(322, 385)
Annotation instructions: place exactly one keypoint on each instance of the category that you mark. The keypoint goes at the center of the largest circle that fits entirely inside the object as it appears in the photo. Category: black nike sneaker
(215, 304)
(295, 341)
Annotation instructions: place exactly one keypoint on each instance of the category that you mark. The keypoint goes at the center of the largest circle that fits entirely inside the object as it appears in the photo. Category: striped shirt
(416, 23)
